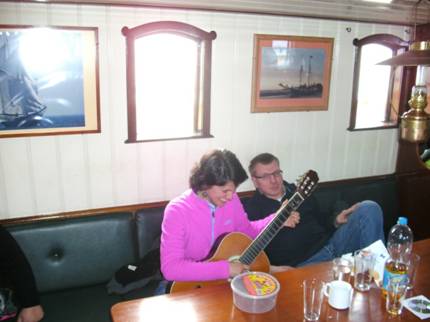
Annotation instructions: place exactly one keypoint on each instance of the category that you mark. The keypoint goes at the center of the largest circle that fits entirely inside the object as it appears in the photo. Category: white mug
(339, 294)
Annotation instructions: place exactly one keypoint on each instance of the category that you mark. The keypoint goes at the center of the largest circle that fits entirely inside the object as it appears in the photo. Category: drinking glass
(312, 299)
(341, 269)
(363, 270)
(412, 262)
(396, 291)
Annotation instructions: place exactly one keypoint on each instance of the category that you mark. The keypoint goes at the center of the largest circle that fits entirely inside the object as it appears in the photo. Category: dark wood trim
(414, 200)
(134, 207)
(395, 98)
(172, 139)
(131, 91)
(173, 27)
(387, 40)
(130, 3)
(408, 156)
(355, 82)
(389, 125)
(203, 40)
(82, 213)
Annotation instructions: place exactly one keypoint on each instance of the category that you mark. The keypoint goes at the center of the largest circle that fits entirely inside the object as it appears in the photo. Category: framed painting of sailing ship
(291, 73)
(48, 80)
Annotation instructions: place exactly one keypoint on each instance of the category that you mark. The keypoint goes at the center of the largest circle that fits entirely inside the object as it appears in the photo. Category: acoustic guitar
(239, 247)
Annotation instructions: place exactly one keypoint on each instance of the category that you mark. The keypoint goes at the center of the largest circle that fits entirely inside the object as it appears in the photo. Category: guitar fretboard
(265, 236)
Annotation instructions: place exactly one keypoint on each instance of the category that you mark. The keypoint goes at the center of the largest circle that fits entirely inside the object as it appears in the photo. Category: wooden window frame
(203, 73)
(397, 90)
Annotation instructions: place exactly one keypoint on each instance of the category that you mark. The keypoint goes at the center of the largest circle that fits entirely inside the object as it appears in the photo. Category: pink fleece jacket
(189, 231)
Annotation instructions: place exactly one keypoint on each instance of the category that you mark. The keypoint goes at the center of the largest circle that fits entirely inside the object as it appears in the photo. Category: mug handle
(326, 289)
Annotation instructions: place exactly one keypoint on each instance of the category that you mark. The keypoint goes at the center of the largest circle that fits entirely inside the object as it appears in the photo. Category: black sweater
(15, 271)
(292, 246)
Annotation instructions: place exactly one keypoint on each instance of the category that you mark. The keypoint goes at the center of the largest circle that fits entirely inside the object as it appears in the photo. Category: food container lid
(255, 285)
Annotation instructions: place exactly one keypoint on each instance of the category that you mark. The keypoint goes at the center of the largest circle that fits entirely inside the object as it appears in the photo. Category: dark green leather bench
(74, 258)
(382, 189)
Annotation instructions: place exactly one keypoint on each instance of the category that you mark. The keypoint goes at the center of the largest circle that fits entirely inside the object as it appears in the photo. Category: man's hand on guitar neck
(236, 268)
(293, 219)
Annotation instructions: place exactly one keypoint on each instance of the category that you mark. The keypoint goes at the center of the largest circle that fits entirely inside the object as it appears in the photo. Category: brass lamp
(415, 123)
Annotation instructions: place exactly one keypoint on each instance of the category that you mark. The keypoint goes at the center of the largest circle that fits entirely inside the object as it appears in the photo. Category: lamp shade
(418, 54)
(415, 123)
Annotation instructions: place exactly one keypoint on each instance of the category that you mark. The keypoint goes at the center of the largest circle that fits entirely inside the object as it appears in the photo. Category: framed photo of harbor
(49, 81)
(291, 73)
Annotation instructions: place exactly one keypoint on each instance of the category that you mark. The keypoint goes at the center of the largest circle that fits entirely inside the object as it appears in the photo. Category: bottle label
(400, 277)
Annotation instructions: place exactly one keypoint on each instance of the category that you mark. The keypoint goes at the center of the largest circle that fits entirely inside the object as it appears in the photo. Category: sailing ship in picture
(20, 103)
(46, 75)
(291, 73)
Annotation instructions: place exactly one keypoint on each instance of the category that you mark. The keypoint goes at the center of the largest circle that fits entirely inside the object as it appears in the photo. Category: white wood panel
(197, 149)
(319, 155)
(45, 171)
(302, 145)
(266, 25)
(366, 154)
(99, 165)
(62, 15)
(100, 170)
(151, 171)
(125, 167)
(16, 171)
(222, 80)
(9, 14)
(391, 150)
(73, 172)
(241, 89)
(146, 15)
(176, 174)
(4, 205)
(289, 26)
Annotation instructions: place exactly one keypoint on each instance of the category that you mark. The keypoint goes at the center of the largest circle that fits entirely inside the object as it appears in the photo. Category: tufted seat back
(383, 190)
(148, 225)
(75, 252)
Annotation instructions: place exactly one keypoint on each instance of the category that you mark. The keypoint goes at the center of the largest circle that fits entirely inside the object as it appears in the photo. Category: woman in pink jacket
(194, 220)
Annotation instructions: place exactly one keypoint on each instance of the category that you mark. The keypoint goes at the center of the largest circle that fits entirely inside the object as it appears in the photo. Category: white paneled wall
(52, 174)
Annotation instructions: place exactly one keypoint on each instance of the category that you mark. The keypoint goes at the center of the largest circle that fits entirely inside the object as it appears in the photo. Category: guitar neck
(265, 236)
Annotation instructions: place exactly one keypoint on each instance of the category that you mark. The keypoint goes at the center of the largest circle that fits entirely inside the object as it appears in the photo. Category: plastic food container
(255, 292)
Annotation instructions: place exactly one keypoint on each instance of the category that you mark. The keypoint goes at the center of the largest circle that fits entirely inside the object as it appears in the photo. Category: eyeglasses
(276, 174)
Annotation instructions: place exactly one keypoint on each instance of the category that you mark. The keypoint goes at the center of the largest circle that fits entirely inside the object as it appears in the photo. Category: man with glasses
(318, 236)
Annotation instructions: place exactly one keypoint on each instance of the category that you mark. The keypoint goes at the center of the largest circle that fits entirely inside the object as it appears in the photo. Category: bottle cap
(402, 221)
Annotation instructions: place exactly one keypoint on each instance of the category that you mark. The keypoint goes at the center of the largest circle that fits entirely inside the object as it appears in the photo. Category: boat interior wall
(396, 12)
(65, 173)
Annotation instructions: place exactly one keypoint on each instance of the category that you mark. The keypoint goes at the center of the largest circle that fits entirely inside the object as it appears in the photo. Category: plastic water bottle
(399, 246)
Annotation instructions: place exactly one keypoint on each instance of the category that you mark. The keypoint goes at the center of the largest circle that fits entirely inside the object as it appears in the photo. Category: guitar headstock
(307, 183)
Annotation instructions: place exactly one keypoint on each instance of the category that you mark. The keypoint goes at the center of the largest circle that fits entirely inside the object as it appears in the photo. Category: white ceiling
(398, 12)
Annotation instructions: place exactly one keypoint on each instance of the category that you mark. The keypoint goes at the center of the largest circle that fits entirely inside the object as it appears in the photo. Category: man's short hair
(263, 158)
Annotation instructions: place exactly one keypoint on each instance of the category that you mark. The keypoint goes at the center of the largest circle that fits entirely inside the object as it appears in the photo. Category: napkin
(418, 305)
(381, 255)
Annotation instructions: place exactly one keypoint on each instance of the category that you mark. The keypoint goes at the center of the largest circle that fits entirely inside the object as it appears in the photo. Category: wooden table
(215, 303)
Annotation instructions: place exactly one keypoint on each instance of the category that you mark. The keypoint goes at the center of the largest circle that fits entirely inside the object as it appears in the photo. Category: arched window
(168, 81)
(377, 89)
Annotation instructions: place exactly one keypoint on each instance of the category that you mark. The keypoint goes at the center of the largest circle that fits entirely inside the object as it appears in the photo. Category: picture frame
(291, 73)
(49, 82)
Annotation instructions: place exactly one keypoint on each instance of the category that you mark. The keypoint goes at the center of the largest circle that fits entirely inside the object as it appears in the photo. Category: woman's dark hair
(216, 168)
